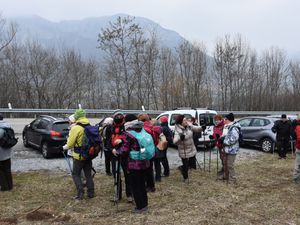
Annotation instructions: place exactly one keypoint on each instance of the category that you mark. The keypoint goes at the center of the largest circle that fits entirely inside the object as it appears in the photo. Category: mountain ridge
(82, 34)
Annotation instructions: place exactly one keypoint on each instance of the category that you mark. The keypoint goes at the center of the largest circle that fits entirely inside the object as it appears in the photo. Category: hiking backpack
(147, 148)
(241, 141)
(8, 140)
(91, 142)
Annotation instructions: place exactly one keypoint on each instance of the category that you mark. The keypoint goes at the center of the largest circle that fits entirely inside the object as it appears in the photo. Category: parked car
(203, 116)
(46, 133)
(257, 132)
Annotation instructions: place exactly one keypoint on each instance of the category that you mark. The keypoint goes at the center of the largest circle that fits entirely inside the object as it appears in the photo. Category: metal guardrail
(70, 111)
(151, 112)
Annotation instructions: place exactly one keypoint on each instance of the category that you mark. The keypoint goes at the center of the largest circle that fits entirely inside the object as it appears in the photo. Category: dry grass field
(264, 194)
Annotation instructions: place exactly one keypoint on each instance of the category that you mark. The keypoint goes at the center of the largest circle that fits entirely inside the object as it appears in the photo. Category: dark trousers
(86, 166)
(282, 147)
(150, 176)
(124, 165)
(110, 160)
(185, 168)
(138, 180)
(165, 163)
(192, 163)
(6, 182)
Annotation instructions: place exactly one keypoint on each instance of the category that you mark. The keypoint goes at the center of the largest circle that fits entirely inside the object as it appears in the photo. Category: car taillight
(55, 133)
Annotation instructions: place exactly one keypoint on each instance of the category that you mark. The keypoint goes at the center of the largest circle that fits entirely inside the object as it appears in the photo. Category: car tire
(25, 141)
(266, 145)
(45, 150)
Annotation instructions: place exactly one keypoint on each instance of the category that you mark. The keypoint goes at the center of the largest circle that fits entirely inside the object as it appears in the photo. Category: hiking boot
(129, 199)
(150, 189)
(140, 211)
(91, 195)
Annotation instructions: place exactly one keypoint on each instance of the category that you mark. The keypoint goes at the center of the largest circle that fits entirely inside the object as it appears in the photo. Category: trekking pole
(198, 162)
(68, 161)
(209, 162)
(204, 149)
(217, 160)
(117, 182)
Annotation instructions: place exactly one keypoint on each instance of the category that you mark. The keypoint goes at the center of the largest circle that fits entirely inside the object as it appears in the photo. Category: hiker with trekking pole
(137, 146)
(85, 142)
(217, 133)
(230, 140)
(183, 137)
(117, 130)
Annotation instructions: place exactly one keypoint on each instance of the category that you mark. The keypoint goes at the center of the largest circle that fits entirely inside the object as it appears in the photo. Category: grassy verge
(265, 194)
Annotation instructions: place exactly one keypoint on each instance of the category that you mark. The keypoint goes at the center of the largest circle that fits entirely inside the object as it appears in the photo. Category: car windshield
(206, 119)
(61, 126)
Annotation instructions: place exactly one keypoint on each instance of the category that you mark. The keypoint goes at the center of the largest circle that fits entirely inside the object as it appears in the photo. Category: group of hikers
(137, 143)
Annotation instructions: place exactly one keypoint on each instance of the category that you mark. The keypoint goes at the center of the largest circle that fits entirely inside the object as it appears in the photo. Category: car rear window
(61, 126)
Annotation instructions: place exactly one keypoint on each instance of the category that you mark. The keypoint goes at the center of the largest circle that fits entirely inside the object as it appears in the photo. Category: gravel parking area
(28, 159)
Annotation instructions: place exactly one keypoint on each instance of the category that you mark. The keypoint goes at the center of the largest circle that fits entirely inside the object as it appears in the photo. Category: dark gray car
(257, 132)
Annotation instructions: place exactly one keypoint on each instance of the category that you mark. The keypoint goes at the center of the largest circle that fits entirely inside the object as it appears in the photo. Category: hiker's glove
(182, 136)
(222, 139)
(61, 148)
(211, 137)
(203, 128)
(114, 152)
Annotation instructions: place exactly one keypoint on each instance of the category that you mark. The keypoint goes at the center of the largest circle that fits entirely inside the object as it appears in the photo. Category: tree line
(136, 70)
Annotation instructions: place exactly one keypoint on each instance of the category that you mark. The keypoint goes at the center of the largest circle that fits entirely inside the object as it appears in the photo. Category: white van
(204, 117)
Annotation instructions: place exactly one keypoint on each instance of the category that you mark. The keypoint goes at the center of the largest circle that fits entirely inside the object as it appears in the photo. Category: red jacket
(218, 131)
(297, 131)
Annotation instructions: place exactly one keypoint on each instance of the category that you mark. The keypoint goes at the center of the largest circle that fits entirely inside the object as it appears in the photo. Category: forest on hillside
(136, 71)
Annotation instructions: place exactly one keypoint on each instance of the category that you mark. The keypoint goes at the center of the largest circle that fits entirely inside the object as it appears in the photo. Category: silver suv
(257, 132)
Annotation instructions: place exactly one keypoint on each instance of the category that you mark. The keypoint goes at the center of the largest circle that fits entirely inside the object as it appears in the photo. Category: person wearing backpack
(129, 146)
(117, 131)
(230, 142)
(75, 142)
(169, 136)
(6, 181)
(106, 134)
(183, 137)
(154, 131)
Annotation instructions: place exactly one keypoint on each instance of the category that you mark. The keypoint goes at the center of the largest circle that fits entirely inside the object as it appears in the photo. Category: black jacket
(282, 129)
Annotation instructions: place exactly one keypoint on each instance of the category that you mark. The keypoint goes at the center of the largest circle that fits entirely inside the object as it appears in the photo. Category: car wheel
(266, 145)
(45, 150)
(25, 141)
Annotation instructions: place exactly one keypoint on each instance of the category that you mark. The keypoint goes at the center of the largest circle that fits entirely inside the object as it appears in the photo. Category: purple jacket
(129, 143)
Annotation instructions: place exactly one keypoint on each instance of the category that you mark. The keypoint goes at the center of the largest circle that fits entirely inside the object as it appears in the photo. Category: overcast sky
(263, 23)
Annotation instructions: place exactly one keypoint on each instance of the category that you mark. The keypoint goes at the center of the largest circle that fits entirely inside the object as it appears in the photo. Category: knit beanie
(179, 119)
(230, 117)
(130, 117)
(283, 116)
(79, 113)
